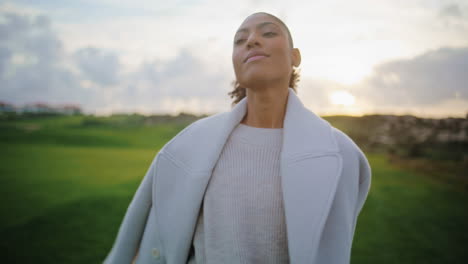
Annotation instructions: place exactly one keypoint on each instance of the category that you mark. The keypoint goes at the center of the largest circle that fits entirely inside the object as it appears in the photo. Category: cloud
(34, 66)
(430, 78)
(100, 66)
(451, 10)
(183, 80)
(32, 62)
(182, 69)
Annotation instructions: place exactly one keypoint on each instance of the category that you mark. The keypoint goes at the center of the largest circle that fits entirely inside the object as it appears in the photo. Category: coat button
(155, 253)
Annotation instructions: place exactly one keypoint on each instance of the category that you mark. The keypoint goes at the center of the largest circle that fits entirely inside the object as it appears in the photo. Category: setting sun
(342, 98)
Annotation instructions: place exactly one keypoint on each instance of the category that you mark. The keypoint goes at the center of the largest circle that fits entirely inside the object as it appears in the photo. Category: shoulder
(194, 130)
(350, 150)
(348, 147)
(344, 142)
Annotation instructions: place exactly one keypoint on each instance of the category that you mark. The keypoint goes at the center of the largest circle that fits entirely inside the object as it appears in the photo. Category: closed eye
(239, 41)
(269, 34)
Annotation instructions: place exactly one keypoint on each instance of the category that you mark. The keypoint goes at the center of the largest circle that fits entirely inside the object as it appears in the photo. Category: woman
(267, 182)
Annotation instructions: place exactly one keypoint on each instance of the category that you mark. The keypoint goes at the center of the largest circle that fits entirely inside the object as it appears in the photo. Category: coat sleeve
(363, 170)
(363, 187)
(133, 225)
(364, 181)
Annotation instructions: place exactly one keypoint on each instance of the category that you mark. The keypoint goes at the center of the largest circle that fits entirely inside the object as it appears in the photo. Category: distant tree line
(408, 136)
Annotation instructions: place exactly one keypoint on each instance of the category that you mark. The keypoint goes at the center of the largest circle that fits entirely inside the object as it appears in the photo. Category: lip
(254, 58)
(256, 55)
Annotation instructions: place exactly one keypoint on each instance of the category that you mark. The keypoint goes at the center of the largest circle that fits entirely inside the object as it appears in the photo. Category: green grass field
(66, 185)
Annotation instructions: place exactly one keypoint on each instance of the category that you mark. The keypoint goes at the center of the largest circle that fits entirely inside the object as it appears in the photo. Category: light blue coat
(325, 181)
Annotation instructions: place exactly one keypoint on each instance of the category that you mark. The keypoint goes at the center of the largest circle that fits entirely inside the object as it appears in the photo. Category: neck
(266, 107)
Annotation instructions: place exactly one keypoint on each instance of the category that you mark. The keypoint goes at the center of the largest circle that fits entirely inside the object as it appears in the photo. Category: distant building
(69, 109)
(40, 108)
(37, 108)
(7, 107)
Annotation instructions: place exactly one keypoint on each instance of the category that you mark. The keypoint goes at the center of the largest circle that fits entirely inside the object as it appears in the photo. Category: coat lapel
(187, 162)
(310, 168)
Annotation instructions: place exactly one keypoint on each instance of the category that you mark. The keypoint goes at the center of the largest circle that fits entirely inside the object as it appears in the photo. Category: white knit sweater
(242, 216)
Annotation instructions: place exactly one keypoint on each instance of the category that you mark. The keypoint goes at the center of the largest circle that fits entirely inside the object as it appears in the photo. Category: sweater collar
(304, 131)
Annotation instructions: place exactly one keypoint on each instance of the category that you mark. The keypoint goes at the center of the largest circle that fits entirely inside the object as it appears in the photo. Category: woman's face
(262, 52)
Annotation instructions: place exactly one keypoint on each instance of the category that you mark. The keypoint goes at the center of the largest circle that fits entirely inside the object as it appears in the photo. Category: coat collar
(310, 168)
(303, 133)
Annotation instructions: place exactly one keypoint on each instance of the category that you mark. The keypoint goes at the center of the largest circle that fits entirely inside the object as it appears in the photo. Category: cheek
(281, 49)
(282, 57)
(235, 59)
(237, 62)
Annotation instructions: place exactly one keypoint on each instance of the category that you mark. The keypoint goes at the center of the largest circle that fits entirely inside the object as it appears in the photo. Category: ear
(296, 57)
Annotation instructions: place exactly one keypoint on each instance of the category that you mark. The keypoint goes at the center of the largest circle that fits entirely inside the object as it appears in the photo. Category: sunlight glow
(342, 97)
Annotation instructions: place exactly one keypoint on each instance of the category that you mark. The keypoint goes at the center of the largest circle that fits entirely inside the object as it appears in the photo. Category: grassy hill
(66, 183)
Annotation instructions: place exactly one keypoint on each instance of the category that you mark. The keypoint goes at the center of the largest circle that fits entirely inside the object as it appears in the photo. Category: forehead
(257, 19)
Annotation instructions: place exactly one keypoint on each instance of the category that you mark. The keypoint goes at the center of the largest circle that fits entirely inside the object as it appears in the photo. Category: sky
(152, 57)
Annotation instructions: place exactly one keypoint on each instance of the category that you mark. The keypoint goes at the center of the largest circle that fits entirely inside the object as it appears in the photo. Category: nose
(252, 40)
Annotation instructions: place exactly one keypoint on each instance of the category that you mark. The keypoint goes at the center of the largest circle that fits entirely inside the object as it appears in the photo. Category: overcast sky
(358, 57)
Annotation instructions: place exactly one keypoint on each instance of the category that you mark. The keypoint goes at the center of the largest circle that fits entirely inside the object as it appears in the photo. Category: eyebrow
(258, 26)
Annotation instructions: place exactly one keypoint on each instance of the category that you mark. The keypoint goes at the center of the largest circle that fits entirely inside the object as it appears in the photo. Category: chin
(255, 79)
